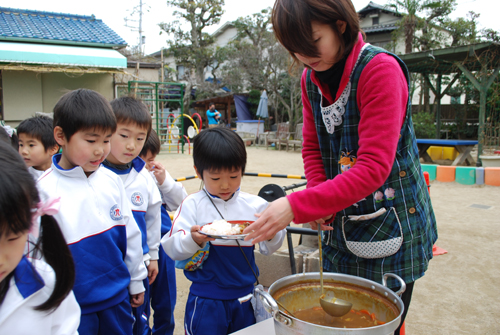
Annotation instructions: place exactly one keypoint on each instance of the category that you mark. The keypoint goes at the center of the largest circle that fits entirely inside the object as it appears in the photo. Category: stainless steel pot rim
(343, 278)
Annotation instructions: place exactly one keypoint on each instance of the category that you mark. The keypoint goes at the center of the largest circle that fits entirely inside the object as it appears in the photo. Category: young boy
(132, 129)
(163, 291)
(37, 144)
(213, 305)
(95, 216)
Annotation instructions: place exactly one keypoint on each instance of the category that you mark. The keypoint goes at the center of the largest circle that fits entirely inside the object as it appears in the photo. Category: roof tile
(58, 27)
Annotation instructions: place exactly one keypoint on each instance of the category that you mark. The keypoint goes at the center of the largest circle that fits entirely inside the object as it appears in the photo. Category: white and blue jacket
(31, 285)
(98, 225)
(145, 201)
(35, 173)
(225, 274)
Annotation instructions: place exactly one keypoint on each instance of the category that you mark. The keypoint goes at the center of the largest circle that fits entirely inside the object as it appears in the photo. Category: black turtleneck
(121, 167)
(332, 76)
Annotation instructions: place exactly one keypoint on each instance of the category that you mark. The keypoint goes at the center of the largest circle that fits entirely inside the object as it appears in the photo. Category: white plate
(191, 132)
(230, 237)
(225, 237)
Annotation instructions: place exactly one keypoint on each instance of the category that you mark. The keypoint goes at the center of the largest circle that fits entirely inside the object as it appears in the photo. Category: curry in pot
(370, 309)
(353, 319)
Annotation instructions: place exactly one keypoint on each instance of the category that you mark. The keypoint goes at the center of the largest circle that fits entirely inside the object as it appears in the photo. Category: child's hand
(199, 238)
(152, 271)
(159, 172)
(137, 300)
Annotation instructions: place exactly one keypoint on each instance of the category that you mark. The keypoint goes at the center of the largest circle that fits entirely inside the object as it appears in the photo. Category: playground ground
(459, 293)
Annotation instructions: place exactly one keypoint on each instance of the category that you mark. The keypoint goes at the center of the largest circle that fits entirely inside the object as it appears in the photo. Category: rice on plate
(221, 227)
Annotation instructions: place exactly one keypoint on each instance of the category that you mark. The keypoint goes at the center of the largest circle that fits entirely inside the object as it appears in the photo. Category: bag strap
(238, 242)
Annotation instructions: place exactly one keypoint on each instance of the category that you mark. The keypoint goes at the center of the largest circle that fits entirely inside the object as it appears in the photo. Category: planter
(490, 161)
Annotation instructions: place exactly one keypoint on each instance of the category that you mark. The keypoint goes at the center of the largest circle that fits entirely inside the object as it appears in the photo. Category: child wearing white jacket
(36, 295)
(218, 301)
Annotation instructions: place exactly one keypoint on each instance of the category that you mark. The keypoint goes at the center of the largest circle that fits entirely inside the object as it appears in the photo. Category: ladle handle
(320, 251)
(399, 279)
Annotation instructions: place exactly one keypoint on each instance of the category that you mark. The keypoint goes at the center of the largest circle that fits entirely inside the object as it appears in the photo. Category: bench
(297, 137)
(281, 136)
(247, 136)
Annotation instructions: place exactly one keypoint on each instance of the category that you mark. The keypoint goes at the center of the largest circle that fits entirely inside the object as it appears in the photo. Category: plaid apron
(393, 229)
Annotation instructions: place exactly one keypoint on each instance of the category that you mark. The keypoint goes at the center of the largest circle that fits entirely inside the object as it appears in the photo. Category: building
(45, 54)
(378, 23)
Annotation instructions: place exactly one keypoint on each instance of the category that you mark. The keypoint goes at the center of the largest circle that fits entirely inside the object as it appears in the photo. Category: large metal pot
(302, 291)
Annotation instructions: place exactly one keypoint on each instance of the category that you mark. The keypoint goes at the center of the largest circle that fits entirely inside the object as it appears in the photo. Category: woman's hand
(275, 218)
(314, 224)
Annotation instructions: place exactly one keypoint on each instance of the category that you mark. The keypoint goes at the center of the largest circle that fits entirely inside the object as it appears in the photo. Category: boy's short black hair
(152, 145)
(131, 110)
(218, 149)
(40, 127)
(83, 109)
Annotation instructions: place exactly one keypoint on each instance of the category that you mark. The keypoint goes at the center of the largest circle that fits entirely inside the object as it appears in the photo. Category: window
(374, 21)
(181, 72)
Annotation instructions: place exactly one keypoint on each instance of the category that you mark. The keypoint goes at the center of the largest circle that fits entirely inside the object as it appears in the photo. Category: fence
(492, 136)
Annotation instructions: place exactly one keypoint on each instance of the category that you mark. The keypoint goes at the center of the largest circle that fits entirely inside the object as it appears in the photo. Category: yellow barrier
(442, 153)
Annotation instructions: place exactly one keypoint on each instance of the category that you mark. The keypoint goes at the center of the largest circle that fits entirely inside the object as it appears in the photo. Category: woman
(365, 183)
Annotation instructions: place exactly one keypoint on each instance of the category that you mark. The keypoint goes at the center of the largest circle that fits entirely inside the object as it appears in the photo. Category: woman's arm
(382, 105)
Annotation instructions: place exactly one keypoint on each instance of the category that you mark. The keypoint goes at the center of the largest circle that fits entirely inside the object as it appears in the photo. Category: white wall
(25, 92)
(22, 95)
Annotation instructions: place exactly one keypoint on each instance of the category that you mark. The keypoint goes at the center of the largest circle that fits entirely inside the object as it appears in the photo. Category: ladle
(284, 308)
(332, 306)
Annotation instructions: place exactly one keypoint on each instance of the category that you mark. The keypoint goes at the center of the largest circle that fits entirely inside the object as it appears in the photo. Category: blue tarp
(211, 80)
(241, 104)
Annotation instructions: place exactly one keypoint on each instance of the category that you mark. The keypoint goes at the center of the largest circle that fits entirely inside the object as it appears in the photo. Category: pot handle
(398, 278)
(268, 300)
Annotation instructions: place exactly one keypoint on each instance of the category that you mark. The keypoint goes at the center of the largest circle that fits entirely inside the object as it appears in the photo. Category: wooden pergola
(483, 58)
(225, 100)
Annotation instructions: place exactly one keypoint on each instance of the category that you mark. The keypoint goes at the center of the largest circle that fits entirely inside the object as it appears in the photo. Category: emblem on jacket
(137, 199)
(115, 213)
(347, 160)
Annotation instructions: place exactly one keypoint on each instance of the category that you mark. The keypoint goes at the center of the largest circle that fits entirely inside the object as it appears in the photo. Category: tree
(193, 48)
(408, 9)
(462, 30)
(434, 11)
(256, 61)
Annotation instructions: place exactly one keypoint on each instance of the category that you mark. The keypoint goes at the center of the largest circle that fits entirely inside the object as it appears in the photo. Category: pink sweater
(382, 97)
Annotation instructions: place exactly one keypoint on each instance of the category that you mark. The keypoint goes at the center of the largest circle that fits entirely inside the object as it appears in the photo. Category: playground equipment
(173, 133)
(160, 98)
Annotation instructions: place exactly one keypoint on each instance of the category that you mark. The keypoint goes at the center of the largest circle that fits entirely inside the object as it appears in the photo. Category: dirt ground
(458, 294)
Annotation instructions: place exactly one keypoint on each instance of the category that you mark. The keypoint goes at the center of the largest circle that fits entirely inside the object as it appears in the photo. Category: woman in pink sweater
(364, 180)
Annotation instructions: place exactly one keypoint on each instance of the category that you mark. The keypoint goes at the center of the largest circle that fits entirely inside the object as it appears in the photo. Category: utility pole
(142, 39)
(140, 27)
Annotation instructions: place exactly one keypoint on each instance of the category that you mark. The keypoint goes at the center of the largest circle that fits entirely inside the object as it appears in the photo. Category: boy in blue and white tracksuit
(95, 217)
(218, 301)
(145, 202)
(99, 228)
(163, 291)
(133, 128)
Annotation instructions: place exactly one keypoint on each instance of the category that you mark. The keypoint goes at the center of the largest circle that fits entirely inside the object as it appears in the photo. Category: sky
(114, 12)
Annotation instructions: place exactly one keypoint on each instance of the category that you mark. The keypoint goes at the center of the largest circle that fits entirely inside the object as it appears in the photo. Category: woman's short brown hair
(292, 24)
